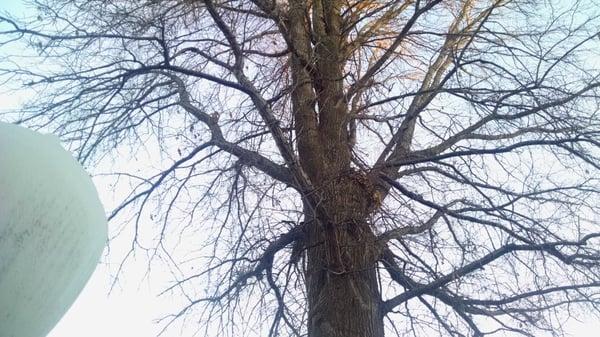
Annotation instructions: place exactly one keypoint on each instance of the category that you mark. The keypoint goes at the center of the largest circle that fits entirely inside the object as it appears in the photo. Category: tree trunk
(343, 292)
(341, 277)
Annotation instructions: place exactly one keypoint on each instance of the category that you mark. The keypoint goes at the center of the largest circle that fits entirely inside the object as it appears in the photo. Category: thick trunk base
(343, 292)
(345, 305)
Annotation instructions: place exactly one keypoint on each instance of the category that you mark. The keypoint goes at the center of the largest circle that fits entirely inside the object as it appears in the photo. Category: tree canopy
(337, 168)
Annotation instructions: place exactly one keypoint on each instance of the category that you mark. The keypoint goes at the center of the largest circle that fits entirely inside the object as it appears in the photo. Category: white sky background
(133, 305)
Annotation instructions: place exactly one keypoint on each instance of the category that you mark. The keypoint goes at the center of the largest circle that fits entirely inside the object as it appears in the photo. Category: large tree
(339, 168)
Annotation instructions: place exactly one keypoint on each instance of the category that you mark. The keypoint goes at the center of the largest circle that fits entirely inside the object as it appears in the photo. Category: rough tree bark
(342, 287)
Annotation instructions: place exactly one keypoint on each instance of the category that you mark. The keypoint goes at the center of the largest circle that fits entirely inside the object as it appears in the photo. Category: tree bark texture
(343, 292)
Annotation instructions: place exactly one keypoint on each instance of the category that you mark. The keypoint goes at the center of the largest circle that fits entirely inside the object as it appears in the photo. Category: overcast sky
(133, 305)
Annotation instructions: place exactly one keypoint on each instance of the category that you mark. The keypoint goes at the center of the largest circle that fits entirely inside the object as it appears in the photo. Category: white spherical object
(52, 231)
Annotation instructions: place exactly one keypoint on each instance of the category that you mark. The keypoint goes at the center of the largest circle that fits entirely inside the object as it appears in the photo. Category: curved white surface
(52, 231)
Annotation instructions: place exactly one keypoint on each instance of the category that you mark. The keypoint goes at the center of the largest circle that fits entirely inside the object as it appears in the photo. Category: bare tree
(340, 168)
